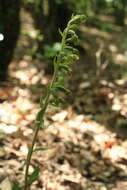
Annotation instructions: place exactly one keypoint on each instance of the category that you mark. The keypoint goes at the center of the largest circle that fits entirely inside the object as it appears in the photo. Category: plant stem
(31, 149)
(64, 37)
(43, 105)
(29, 155)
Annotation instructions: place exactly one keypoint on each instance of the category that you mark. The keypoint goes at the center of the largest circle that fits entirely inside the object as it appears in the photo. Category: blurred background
(29, 40)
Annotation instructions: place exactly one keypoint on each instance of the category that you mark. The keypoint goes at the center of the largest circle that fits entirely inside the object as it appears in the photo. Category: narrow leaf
(61, 88)
(39, 115)
(72, 32)
(53, 92)
(16, 187)
(77, 18)
(33, 177)
(73, 27)
(69, 39)
(61, 100)
(60, 32)
(74, 57)
(65, 67)
(69, 47)
(39, 118)
(41, 149)
(75, 51)
(41, 101)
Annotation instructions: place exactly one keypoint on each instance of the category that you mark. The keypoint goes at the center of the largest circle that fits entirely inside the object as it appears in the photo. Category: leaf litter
(84, 154)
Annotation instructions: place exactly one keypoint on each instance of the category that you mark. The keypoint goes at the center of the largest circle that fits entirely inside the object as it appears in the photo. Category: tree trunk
(10, 28)
(120, 12)
(48, 17)
(120, 17)
(58, 16)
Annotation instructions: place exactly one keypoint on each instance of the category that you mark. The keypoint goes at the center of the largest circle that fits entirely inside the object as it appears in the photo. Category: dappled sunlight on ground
(83, 153)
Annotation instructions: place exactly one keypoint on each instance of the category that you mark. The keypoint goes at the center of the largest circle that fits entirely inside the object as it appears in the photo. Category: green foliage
(33, 177)
(64, 57)
(51, 51)
(16, 187)
(41, 149)
(89, 6)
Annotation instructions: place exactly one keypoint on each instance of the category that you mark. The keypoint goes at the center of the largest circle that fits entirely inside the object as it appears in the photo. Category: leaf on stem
(16, 187)
(77, 18)
(60, 32)
(53, 92)
(53, 102)
(39, 117)
(73, 57)
(42, 149)
(72, 32)
(74, 27)
(65, 67)
(33, 177)
(62, 89)
(62, 100)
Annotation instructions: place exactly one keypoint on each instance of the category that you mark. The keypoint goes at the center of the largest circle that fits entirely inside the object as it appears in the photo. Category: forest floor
(87, 137)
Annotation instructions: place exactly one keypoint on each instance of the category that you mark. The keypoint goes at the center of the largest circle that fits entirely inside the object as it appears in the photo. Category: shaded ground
(88, 136)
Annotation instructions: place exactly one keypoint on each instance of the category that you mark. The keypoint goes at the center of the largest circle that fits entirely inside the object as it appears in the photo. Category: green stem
(30, 152)
(64, 37)
(29, 155)
(43, 106)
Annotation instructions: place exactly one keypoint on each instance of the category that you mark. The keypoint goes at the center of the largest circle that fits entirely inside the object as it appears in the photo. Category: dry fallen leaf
(6, 184)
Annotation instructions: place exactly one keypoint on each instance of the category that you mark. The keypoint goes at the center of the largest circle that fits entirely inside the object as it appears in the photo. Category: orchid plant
(62, 62)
